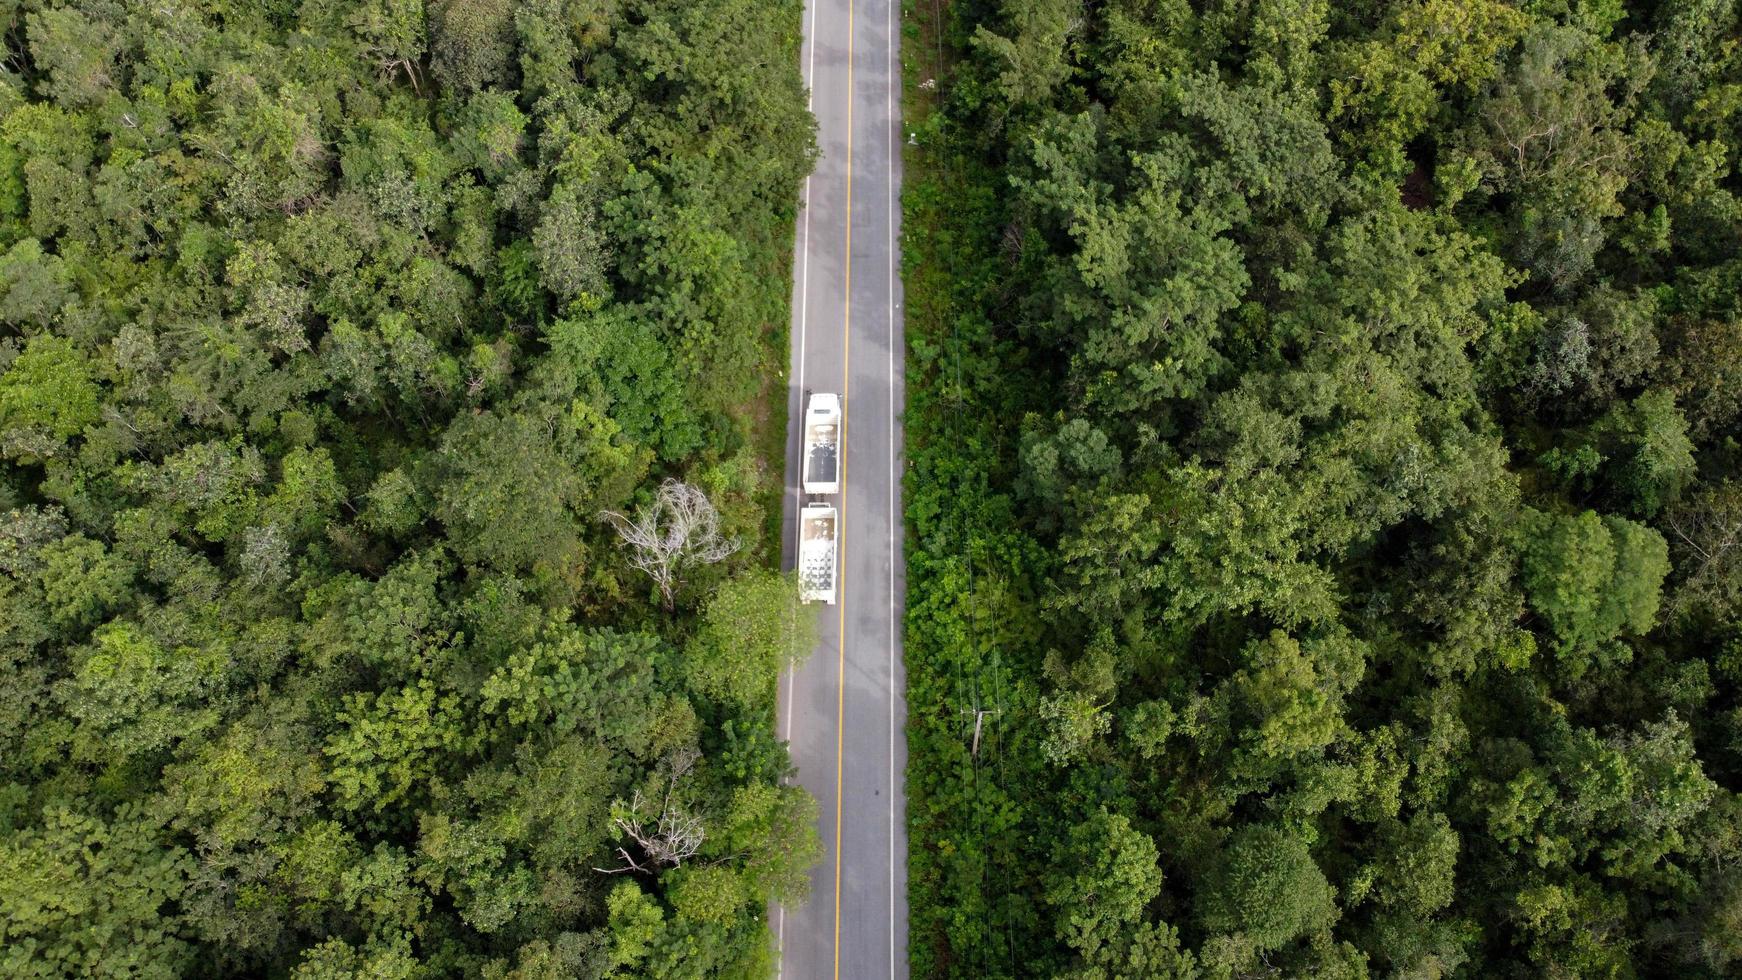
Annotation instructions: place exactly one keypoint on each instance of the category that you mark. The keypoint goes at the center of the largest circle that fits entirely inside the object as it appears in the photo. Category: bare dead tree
(673, 837)
(679, 529)
(1707, 549)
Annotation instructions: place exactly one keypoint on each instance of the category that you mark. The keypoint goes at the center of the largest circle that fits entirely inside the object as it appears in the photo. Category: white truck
(816, 553)
(822, 444)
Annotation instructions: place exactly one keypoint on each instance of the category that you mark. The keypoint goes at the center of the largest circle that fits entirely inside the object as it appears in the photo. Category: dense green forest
(1327, 495)
(345, 345)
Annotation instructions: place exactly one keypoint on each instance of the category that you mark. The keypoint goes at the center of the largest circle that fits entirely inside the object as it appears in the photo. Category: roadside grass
(947, 873)
(926, 302)
(767, 416)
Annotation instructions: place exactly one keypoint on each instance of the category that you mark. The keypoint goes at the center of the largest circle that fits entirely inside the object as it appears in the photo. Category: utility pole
(979, 717)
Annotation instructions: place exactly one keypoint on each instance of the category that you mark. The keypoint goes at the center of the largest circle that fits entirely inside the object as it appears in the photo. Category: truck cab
(822, 444)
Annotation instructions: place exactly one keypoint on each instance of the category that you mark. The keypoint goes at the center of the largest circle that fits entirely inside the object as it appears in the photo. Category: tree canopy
(328, 331)
(1324, 488)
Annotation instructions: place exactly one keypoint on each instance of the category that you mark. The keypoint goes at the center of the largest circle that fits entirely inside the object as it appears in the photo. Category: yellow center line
(841, 519)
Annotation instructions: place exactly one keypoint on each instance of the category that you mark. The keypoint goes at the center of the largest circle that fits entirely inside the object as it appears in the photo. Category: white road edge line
(804, 295)
(894, 638)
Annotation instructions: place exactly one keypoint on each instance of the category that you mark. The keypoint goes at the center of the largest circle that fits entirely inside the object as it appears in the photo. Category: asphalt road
(843, 709)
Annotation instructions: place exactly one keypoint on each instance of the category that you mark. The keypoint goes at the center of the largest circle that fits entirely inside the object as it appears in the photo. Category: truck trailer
(817, 530)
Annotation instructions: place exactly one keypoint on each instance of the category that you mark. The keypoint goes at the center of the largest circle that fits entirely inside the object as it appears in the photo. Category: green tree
(752, 628)
(1414, 865)
(471, 44)
(1286, 703)
(1594, 579)
(1032, 59)
(503, 489)
(76, 53)
(82, 581)
(47, 396)
(1648, 439)
(1106, 876)
(337, 959)
(134, 695)
(393, 744)
(37, 286)
(84, 896)
(1266, 886)
(1551, 135)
